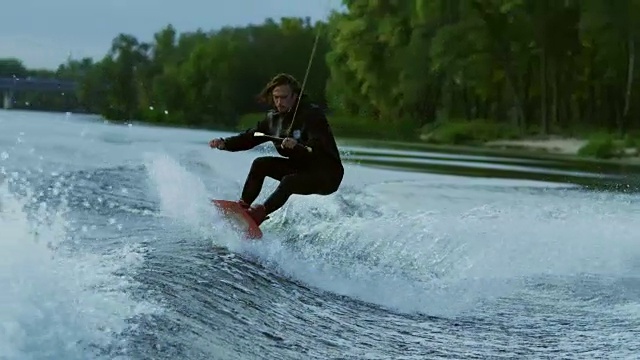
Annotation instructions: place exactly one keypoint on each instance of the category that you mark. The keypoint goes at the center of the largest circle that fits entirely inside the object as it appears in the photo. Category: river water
(110, 249)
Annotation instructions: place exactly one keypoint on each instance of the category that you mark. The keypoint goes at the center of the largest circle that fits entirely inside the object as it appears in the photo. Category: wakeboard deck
(239, 217)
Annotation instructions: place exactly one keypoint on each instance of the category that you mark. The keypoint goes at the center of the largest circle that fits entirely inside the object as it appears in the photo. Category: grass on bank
(456, 132)
(351, 127)
(467, 132)
(609, 146)
(600, 145)
(477, 132)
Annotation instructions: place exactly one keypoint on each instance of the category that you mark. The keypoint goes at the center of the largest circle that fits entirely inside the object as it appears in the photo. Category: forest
(447, 70)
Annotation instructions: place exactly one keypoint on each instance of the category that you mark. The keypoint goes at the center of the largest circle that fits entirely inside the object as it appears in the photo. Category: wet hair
(278, 80)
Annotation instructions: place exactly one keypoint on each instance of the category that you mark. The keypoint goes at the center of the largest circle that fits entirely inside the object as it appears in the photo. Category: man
(311, 162)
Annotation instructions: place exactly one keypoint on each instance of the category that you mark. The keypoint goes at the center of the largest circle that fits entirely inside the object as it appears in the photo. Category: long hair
(281, 79)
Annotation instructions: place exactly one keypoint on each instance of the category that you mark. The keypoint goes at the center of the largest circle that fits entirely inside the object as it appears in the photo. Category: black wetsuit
(299, 171)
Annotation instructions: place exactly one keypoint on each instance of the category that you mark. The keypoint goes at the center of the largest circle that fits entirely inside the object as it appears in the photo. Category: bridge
(9, 86)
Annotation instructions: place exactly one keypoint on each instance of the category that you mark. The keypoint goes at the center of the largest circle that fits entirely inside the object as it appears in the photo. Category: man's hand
(217, 144)
(289, 143)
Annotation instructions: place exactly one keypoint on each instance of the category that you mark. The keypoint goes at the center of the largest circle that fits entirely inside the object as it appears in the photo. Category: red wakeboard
(237, 215)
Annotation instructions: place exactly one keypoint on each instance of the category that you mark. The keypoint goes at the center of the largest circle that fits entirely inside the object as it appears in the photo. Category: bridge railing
(37, 84)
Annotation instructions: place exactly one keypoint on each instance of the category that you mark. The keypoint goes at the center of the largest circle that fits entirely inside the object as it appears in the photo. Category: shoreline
(553, 148)
(564, 146)
(568, 147)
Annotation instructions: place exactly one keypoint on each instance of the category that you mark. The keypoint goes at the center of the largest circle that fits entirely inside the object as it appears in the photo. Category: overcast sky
(42, 33)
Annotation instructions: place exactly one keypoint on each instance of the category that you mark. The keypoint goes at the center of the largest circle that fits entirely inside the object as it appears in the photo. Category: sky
(44, 33)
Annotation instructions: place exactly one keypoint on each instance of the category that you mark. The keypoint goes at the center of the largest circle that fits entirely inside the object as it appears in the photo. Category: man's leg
(304, 183)
(271, 166)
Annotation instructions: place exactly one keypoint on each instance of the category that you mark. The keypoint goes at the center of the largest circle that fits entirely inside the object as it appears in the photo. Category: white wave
(451, 255)
(185, 200)
(55, 302)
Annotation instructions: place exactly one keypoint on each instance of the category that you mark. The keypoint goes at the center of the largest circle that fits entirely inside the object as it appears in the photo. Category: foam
(441, 256)
(57, 302)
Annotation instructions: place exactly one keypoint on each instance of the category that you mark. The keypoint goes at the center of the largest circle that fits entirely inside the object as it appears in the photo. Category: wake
(442, 259)
(58, 302)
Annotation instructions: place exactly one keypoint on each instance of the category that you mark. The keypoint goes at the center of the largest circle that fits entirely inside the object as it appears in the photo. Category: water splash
(185, 200)
(440, 259)
(445, 260)
(56, 301)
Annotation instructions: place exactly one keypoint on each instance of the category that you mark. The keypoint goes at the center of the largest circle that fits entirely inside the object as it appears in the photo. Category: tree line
(533, 65)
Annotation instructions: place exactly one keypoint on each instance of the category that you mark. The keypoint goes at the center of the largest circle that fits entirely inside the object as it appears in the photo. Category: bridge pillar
(7, 100)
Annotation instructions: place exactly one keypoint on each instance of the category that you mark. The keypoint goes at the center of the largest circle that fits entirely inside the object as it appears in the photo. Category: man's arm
(245, 140)
(319, 133)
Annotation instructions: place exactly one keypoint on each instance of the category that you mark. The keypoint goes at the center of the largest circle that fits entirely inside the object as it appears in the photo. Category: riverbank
(595, 149)
(569, 149)
(553, 148)
(492, 138)
(601, 149)
(556, 145)
(595, 145)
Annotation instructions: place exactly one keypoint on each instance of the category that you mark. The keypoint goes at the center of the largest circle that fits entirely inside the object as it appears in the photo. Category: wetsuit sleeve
(245, 140)
(319, 134)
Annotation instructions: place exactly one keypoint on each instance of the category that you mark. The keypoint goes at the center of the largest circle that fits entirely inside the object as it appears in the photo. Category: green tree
(518, 66)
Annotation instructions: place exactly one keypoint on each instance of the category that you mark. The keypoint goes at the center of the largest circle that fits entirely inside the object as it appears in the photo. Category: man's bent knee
(332, 182)
(290, 185)
(294, 184)
(261, 164)
(330, 187)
